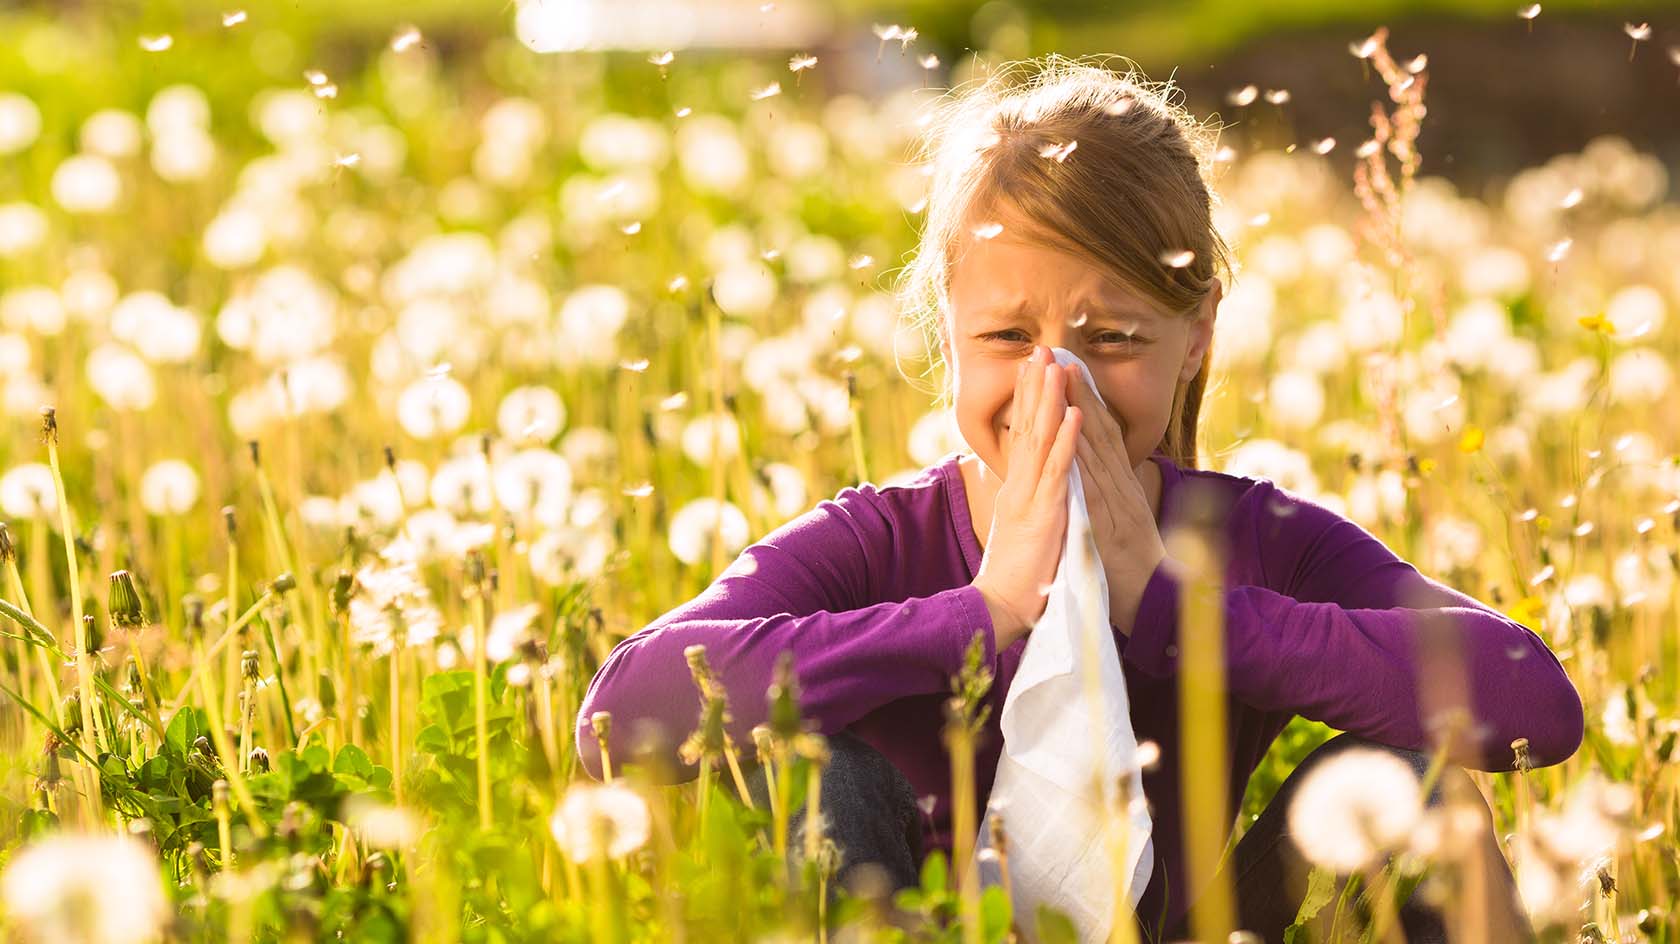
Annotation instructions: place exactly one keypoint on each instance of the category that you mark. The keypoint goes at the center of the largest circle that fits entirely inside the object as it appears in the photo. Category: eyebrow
(1099, 310)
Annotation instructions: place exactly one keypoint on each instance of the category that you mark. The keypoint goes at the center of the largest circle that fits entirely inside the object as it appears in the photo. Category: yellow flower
(1527, 611)
(1597, 323)
(1472, 439)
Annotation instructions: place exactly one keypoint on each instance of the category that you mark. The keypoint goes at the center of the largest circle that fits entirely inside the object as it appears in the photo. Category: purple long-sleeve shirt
(872, 592)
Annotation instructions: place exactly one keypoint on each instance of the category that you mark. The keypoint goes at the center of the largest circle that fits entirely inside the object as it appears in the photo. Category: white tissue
(1066, 748)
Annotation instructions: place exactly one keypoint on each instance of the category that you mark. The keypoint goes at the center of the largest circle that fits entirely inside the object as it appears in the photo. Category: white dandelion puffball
(1640, 375)
(933, 436)
(236, 238)
(534, 483)
(1269, 459)
(169, 487)
(1295, 399)
(715, 436)
(1636, 311)
(615, 141)
(590, 319)
(461, 485)
(1353, 807)
(746, 287)
(600, 818)
(22, 227)
(35, 309)
(162, 332)
(113, 133)
(433, 406)
(121, 378)
(694, 524)
(787, 489)
(20, 122)
(711, 155)
(104, 889)
(559, 554)
(531, 414)
(182, 155)
(86, 183)
(27, 492)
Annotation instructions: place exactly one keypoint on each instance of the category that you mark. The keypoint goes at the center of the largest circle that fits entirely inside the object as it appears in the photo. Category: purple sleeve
(1341, 643)
(808, 586)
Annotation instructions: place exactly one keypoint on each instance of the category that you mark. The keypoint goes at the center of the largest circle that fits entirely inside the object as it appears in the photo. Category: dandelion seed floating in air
(157, 43)
(1558, 250)
(1225, 155)
(1367, 149)
(1243, 97)
(233, 18)
(1571, 199)
(1418, 63)
(662, 58)
(1277, 96)
(675, 401)
(1324, 146)
(799, 64)
(330, 90)
(636, 366)
(1178, 258)
(640, 491)
(929, 61)
(769, 91)
(1058, 152)
(1638, 34)
(407, 38)
(861, 261)
(347, 160)
(1529, 13)
(988, 230)
(631, 228)
(1364, 49)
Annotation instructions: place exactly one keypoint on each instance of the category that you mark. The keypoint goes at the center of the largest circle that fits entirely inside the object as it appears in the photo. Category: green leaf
(995, 914)
(934, 875)
(188, 725)
(353, 760)
(1054, 927)
(1321, 889)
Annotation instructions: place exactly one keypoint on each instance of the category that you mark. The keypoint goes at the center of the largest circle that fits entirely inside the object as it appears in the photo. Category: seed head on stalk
(965, 715)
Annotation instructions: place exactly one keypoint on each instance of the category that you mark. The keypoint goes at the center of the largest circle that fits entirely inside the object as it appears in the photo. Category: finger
(1052, 406)
(1026, 392)
(1053, 486)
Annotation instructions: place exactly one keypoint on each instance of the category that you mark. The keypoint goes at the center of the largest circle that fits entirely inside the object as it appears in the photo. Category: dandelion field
(358, 402)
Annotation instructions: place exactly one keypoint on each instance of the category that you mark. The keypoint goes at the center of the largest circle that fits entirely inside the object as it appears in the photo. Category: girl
(1071, 211)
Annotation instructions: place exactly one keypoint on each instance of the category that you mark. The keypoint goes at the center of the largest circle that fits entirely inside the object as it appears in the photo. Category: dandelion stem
(481, 707)
(84, 659)
(222, 640)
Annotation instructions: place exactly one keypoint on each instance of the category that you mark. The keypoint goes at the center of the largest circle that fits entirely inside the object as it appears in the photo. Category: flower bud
(259, 760)
(285, 583)
(123, 600)
(7, 551)
(248, 665)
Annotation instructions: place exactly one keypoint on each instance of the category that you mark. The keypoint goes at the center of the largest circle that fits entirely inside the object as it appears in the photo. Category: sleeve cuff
(1153, 644)
(971, 608)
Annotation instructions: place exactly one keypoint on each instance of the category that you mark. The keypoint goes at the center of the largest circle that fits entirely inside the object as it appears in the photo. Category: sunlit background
(611, 281)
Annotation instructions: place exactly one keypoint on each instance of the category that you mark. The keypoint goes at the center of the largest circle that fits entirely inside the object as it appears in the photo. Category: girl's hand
(1029, 518)
(1121, 522)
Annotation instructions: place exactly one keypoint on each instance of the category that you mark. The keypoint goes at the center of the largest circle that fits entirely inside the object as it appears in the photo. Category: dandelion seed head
(600, 819)
(169, 487)
(72, 887)
(1354, 806)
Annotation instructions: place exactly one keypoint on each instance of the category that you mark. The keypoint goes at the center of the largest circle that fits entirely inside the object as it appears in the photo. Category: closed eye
(1108, 339)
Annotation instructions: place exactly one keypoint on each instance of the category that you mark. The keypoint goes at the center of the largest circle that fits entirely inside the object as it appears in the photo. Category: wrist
(1006, 628)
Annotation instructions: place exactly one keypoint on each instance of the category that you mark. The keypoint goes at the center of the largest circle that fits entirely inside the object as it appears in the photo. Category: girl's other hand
(1029, 518)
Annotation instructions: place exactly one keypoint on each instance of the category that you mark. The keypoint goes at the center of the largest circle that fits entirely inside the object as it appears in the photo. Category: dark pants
(869, 810)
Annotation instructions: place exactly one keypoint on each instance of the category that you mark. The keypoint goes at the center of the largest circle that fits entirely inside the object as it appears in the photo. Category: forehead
(1008, 280)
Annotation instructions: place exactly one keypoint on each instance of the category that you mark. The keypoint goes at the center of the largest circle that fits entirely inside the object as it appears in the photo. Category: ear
(1201, 333)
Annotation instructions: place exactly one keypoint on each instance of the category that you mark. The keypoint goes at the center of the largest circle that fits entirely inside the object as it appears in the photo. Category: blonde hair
(1133, 191)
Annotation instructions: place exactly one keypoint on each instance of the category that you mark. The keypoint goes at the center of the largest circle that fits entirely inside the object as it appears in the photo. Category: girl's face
(1008, 295)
